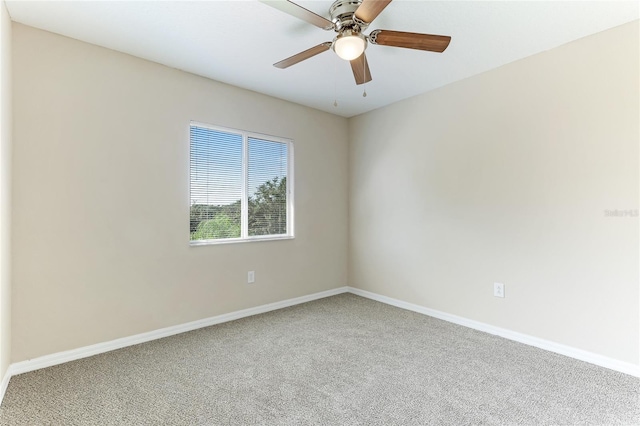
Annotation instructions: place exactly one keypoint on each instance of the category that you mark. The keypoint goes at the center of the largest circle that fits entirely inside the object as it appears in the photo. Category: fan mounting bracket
(373, 35)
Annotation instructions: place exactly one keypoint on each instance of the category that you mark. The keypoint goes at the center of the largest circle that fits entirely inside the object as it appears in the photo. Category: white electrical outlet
(251, 277)
(498, 289)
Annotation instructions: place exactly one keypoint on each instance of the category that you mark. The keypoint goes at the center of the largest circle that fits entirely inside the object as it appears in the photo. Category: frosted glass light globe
(349, 47)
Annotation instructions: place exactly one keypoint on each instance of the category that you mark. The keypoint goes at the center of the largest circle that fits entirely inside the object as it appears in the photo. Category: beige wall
(505, 177)
(5, 188)
(101, 198)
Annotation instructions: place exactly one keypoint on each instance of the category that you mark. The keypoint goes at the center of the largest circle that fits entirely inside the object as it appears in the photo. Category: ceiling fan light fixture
(349, 45)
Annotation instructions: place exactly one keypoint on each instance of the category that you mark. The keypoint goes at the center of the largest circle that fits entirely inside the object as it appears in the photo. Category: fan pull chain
(364, 72)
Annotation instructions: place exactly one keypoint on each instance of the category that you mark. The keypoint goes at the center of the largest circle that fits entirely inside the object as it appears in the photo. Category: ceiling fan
(349, 18)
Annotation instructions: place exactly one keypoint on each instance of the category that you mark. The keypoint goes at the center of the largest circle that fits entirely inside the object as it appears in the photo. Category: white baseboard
(5, 383)
(87, 351)
(590, 357)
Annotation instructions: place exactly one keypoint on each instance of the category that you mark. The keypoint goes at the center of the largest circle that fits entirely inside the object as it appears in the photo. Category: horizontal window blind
(239, 185)
(216, 184)
(267, 177)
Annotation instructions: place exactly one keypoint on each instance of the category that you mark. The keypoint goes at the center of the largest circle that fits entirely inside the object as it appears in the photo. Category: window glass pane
(216, 184)
(267, 187)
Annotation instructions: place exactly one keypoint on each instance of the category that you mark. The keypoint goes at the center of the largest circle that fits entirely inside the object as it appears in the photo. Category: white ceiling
(237, 42)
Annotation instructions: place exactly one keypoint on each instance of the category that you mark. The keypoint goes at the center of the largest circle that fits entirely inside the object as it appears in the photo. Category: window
(241, 186)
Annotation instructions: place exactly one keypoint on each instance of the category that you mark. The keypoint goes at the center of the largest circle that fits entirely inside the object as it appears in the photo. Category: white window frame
(244, 218)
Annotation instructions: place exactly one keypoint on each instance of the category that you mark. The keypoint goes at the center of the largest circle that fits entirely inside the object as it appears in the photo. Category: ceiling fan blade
(285, 63)
(360, 68)
(370, 9)
(300, 12)
(432, 43)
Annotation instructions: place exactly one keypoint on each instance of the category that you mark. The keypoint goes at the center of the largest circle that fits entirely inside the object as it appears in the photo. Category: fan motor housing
(342, 14)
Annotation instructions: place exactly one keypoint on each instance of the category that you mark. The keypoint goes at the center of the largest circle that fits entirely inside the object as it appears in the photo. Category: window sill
(200, 243)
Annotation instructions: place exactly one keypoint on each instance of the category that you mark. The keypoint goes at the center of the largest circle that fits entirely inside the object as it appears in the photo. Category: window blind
(216, 184)
(267, 190)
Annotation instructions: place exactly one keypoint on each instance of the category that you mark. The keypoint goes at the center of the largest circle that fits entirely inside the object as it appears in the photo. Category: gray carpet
(344, 360)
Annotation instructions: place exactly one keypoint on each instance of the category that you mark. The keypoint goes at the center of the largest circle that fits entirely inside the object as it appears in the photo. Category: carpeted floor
(344, 360)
